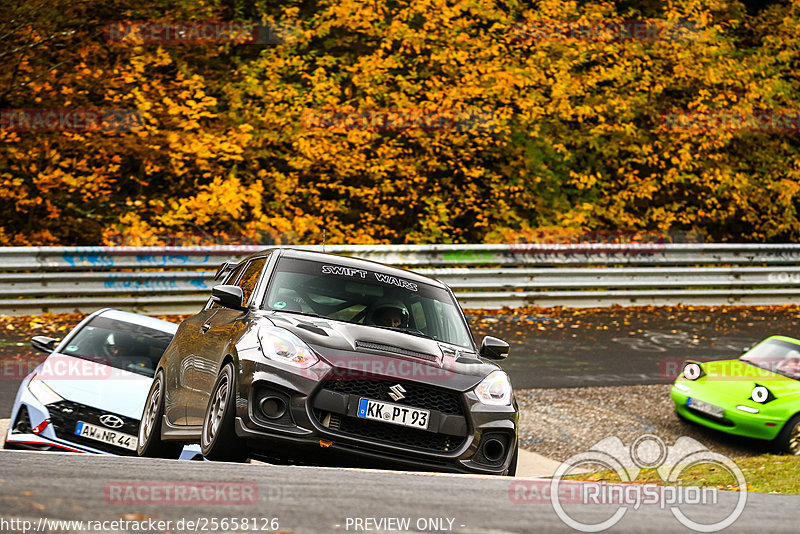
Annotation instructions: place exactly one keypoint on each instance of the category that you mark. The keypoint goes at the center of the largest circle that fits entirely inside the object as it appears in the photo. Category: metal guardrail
(178, 279)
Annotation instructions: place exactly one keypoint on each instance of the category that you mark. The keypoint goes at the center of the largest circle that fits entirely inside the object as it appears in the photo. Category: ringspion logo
(646, 452)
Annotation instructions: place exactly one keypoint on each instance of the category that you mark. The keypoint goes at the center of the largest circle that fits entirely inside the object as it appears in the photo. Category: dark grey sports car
(315, 358)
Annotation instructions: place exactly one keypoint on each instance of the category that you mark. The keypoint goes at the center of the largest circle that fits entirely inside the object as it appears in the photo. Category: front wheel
(788, 441)
(218, 440)
(149, 440)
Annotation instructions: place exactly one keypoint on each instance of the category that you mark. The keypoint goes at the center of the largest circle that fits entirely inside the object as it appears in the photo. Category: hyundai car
(87, 395)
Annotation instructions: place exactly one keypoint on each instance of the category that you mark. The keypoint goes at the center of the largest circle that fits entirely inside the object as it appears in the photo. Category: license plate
(113, 437)
(393, 413)
(705, 407)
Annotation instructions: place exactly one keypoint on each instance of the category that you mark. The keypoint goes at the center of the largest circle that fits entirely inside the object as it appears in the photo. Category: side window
(250, 277)
(233, 276)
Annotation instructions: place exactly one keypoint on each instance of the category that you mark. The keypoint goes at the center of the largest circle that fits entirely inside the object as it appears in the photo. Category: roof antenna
(323, 240)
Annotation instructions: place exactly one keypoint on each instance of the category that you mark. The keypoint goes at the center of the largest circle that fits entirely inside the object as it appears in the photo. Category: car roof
(348, 261)
(139, 319)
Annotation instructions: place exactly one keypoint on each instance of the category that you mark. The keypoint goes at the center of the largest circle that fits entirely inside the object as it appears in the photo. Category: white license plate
(705, 407)
(393, 413)
(106, 435)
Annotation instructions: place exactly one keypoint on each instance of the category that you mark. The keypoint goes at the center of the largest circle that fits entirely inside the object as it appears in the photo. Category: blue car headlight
(42, 392)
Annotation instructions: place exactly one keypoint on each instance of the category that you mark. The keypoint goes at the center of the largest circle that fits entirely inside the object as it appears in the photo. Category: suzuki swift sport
(304, 357)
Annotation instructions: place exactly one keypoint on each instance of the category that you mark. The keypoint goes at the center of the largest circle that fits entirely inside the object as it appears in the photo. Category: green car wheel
(789, 438)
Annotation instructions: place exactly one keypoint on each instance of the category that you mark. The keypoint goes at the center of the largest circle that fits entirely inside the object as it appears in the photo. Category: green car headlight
(692, 371)
(761, 394)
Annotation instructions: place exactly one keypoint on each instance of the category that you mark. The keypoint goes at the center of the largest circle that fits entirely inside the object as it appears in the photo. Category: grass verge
(767, 473)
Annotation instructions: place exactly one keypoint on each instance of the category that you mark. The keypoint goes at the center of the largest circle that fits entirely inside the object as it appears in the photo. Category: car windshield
(775, 355)
(367, 297)
(119, 344)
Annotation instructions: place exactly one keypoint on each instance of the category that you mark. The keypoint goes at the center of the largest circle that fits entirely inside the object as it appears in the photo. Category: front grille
(416, 395)
(64, 416)
(395, 434)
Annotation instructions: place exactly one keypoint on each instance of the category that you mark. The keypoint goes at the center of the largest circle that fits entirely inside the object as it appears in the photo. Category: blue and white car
(88, 395)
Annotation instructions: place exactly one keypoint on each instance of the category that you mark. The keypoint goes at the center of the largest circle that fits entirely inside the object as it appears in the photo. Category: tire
(150, 443)
(218, 439)
(512, 467)
(788, 441)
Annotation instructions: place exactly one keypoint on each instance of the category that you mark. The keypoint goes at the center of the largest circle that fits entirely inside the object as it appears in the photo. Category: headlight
(495, 389)
(42, 392)
(692, 371)
(761, 394)
(283, 346)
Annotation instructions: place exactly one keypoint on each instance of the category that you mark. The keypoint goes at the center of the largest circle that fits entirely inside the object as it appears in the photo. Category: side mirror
(228, 296)
(493, 348)
(44, 343)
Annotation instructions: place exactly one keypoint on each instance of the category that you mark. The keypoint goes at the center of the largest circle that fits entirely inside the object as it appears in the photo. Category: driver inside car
(790, 365)
(116, 346)
(392, 314)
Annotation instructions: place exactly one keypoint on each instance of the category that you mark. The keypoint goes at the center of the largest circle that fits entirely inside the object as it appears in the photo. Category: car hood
(381, 352)
(738, 378)
(94, 384)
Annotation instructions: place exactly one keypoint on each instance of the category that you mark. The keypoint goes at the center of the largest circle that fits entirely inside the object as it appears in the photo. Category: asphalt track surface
(599, 348)
(571, 348)
(81, 487)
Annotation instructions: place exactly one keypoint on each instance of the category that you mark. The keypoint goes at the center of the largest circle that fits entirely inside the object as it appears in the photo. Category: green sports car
(756, 395)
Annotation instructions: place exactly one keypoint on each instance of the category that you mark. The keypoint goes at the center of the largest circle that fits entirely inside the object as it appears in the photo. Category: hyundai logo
(396, 392)
(111, 421)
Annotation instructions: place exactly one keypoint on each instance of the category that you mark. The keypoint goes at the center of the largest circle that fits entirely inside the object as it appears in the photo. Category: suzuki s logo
(111, 421)
(396, 392)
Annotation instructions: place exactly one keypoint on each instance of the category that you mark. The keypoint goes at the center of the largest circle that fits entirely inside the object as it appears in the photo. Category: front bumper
(763, 425)
(28, 412)
(319, 424)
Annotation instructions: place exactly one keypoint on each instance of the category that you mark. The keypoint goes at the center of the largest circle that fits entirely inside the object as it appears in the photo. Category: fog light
(272, 407)
(494, 450)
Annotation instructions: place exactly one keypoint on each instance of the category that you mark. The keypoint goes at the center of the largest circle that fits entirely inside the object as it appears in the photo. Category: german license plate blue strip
(362, 407)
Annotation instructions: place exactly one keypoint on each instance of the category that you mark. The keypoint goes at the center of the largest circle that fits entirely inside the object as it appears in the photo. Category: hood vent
(396, 350)
(312, 328)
